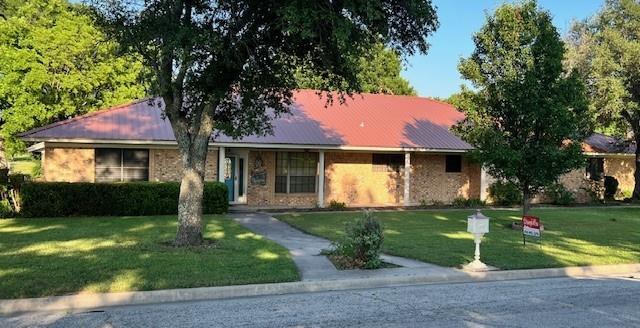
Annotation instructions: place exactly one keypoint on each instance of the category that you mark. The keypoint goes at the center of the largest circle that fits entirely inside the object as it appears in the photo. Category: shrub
(464, 202)
(50, 199)
(336, 205)
(505, 193)
(595, 190)
(610, 187)
(6, 210)
(363, 242)
(559, 194)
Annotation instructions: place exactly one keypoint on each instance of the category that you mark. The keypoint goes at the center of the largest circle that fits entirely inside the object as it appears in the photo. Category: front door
(230, 176)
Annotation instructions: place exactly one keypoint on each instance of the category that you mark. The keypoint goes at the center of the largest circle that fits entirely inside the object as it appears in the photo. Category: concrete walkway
(305, 251)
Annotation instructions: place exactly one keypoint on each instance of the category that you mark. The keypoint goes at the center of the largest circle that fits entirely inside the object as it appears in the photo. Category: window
(115, 165)
(595, 168)
(296, 172)
(453, 163)
(387, 162)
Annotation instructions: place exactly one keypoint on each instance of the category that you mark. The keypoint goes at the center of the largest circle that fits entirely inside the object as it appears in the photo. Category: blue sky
(436, 74)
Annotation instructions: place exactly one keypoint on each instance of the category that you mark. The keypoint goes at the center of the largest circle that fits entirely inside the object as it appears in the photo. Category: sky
(436, 74)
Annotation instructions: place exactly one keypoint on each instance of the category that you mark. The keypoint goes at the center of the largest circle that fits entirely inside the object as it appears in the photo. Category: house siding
(165, 165)
(430, 183)
(350, 178)
(69, 165)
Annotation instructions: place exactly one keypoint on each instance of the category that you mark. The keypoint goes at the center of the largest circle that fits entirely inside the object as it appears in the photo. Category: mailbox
(477, 223)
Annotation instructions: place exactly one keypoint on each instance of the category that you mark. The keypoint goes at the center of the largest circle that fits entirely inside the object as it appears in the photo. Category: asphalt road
(560, 302)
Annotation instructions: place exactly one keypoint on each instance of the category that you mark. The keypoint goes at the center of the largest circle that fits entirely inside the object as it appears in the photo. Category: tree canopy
(230, 65)
(527, 116)
(606, 51)
(54, 64)
(378, 71)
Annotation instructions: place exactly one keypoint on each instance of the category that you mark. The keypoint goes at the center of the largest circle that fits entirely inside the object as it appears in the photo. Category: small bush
(336, 205)
(595, 190)
(363, 242)
(464, 202)
(559, 194)
(6, 210)
(52, 199)
(505, 193)
(610, 187)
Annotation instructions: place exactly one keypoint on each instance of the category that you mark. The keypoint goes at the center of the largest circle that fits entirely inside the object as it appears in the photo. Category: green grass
(23, 166)
(42, 257)
(572, 236)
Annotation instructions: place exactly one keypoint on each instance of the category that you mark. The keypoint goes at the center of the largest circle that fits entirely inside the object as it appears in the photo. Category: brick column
(407, 179)
(321, 178)
(221, 162)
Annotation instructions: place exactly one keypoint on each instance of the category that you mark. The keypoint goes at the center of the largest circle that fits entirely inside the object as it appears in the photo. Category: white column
(407, 179)
(221, 157)
(321, 178)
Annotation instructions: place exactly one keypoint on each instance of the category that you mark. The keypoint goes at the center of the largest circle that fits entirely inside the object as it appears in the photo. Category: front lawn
(573, 236)
(42, 257)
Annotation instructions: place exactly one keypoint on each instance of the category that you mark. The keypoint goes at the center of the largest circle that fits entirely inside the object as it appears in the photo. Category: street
(559, 302)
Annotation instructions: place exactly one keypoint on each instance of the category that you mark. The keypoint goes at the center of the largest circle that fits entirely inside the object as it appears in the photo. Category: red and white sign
(531, 226)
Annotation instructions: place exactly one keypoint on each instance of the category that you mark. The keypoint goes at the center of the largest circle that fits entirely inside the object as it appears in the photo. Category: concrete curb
(92, 301)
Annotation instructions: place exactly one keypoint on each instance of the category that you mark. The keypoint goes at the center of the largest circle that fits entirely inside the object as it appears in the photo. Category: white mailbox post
(478, 225)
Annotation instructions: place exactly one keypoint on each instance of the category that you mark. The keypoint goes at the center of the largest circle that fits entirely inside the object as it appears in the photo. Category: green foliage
(336, 205)
(55, 64)
(468, 202)
(527, 116)
(362, 243)
(610, 187)
(505, 193)
(6, 210)
(378, 71)
(60, 199)
(606, 51)
(559, 194)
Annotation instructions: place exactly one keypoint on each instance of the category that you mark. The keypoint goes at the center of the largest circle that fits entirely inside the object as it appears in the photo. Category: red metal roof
(365, 120)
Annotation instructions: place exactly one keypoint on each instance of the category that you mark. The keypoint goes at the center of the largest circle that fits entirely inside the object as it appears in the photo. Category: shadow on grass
(46, 257)
(573, 236)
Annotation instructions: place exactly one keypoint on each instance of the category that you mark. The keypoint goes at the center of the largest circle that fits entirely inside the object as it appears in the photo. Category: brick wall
(69, 165)
(165, 165)
(622, 168)
(430, 183)
(350, 178)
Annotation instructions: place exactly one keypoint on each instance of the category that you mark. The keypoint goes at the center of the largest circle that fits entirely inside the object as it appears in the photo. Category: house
(373, 150)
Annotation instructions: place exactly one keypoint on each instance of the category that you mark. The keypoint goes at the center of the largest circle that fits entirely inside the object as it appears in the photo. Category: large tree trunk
(636, 174)
(190, 203)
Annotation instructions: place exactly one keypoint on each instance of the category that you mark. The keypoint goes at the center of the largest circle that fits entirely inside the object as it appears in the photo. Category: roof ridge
(83, 116)
(385, 95)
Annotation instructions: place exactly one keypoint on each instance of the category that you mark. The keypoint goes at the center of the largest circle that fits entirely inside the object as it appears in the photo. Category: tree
(606, 51)
(527, 116)
(230, 65)
(378, 71)
(55, 64)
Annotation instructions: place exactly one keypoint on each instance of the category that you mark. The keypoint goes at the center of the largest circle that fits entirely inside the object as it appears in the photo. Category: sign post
(531, 227)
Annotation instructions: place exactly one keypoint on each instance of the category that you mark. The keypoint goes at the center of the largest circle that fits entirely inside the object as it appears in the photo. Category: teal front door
(229, 176)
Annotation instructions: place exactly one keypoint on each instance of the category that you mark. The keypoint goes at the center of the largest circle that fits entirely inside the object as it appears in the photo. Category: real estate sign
(531, 226)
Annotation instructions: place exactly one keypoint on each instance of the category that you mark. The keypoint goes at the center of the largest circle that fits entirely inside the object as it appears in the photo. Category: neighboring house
(373, 150)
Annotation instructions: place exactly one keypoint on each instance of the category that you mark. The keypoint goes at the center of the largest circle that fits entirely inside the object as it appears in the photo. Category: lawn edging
(86, 301)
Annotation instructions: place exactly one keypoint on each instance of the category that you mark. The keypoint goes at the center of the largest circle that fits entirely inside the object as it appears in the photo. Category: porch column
(321, 178)
(221, 157)
(407, 179)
